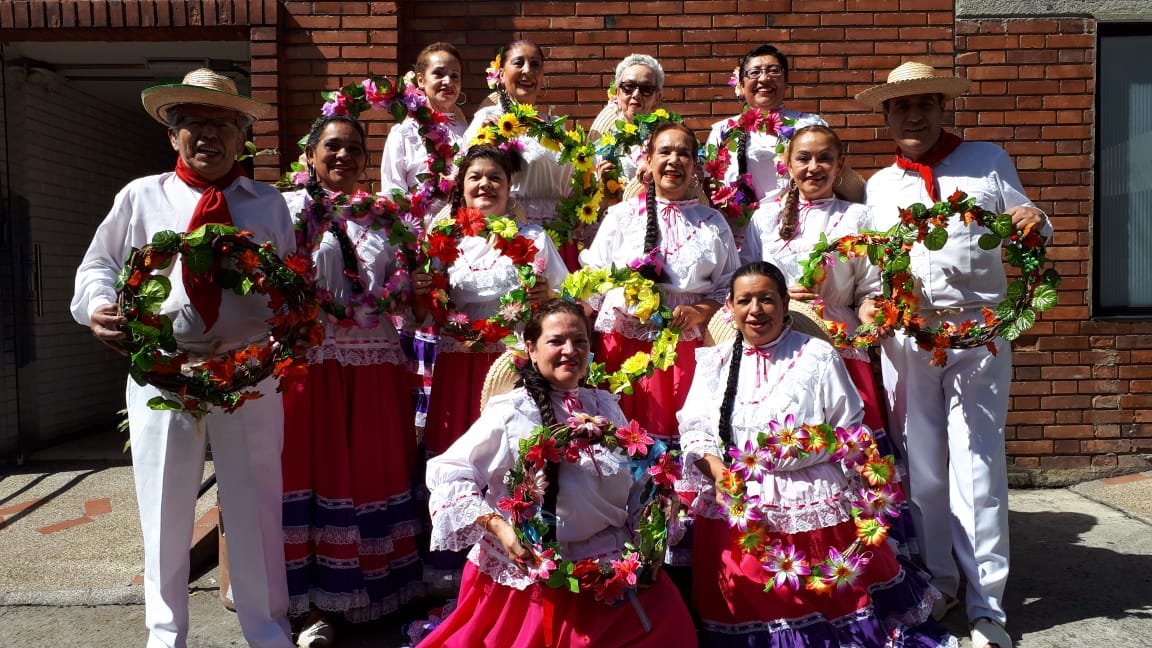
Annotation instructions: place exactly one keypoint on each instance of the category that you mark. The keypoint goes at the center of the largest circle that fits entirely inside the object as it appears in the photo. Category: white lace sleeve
(457, 479)
(698, 417)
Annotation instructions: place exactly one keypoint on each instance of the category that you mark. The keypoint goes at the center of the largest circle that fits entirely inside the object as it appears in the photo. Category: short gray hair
(641, 59)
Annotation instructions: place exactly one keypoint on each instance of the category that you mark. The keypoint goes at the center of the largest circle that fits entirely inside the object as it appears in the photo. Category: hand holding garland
(898, 305)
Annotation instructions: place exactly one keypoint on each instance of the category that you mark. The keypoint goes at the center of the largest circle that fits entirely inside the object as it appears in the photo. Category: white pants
(168, 464)
(951, 422)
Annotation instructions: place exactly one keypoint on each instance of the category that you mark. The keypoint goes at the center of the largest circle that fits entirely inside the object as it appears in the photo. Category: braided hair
(509, 160)
(540, 391)
(652, 226)
(790, 213)
(754, 269)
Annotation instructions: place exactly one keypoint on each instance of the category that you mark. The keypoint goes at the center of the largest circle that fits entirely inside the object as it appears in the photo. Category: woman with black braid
(686, 247)
(761, 82)
(350, 515)
(544, 181)
(594, 500)
(766, 374)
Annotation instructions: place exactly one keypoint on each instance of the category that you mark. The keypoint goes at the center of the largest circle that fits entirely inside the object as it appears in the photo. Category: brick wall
(1081, 393)
(67, 177)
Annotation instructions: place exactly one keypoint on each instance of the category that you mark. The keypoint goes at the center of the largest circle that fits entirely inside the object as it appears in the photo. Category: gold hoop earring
(462, 99)
(839, 180)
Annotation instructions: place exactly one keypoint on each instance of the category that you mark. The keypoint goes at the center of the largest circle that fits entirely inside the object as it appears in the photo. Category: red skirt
(655, 400)
(454, 403)
(350, 515)
(861, 374)
(497, 616)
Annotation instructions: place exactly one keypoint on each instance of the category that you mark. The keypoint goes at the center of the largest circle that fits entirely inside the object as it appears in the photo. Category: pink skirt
(655, 400)
(455, 399)
(497, 616)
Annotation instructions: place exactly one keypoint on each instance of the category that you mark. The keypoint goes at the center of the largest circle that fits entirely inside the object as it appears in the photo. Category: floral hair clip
(734, 81)
(611, 90)
(492, 74)
(410, 78)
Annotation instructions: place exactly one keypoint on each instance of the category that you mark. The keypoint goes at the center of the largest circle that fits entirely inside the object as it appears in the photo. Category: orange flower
(299, 264)
(220, 372)
(247, 261)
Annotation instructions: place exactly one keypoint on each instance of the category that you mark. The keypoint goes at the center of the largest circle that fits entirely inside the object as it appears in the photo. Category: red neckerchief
(942, 149)
(212, 208)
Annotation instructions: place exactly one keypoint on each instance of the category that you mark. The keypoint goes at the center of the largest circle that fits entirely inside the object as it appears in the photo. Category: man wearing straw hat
(951, 417)
(206, 120)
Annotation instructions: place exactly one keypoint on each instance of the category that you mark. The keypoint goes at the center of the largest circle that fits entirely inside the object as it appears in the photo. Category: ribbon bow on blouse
(763, 362)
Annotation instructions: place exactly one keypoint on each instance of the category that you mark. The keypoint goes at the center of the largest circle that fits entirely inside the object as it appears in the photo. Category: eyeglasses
(646, 90)
(767, 70)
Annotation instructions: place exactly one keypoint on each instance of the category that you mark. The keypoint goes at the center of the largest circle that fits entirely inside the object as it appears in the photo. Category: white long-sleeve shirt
(542, 181)
(164, 202)
(847, 283)
(761, 155)
(961, 275)
(695, 245)
(595, 500)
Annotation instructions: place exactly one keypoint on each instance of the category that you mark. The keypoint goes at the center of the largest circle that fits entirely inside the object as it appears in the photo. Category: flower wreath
(646, 301)
(234, 262)
(565, 442)
(395, 216)
(402, 99)
(442, 246)
(737, 201)
(582, 206)
(874, 505)
(898, 304)
(622, 138)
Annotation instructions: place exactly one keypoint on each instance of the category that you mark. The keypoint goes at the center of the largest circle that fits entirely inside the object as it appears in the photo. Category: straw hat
(913, 78)
(501, 377)
(205, 88)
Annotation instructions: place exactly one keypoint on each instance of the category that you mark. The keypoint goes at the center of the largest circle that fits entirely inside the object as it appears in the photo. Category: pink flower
(881, 504)
(373, 95)
(665, 472)
(592, 426)
(842, 571)
(742, 511)
(539, 264)
(751, 119)
(788, 564)
(337, 106)
(543, 569)
(300, 178)
(772, 123)
(751, 462)
(634, 439)
(852, 446)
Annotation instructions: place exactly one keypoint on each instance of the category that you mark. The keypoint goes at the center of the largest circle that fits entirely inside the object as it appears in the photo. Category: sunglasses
(645, 90)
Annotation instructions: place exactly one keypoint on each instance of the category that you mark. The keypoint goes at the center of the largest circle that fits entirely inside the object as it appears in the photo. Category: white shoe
(986, 632)
(317, 635)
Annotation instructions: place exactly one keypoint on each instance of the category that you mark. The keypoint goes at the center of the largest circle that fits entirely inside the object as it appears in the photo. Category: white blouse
(542, 181)
(596, 499)
(405, 156)
(481, 275)
(761, 155)
(695, 245)
(350, 344)
(795, 374)
(847, 283)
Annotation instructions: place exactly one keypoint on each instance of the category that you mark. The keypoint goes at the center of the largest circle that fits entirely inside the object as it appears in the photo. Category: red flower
(247, 261)
(471, 221)
(301, 265)
(587, 573)
(520, 249)
(443, 248)
(543, 452)
(490, 331)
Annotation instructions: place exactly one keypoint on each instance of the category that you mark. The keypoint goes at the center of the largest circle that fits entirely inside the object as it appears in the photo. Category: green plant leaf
(988, 241)
(1044, 298)
(198, 260)
(153, 292)
(1002, 226)
(161, 403)
(1017, 290)
(936, 239)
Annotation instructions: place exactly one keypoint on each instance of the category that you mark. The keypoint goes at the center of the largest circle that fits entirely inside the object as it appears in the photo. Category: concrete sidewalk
(70, 562)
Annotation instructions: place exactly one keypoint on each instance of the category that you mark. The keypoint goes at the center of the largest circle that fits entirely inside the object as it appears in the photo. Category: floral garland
(621, 139)
(566, 442)
(898, 304)
(646, 301)
(442, 246)
(232, 261)
(872, 508)
(402, 99)
(582, 206)
(738, 201)
(394, 215)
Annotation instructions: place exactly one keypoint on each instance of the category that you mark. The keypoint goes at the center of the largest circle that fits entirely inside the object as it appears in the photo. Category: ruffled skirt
(350, 516)
(888, 605)
(655, 400)
(497, 616)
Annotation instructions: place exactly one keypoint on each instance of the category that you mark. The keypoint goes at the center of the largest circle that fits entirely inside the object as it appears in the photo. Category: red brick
(95, 507)
(20, 506)
(61, 526)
